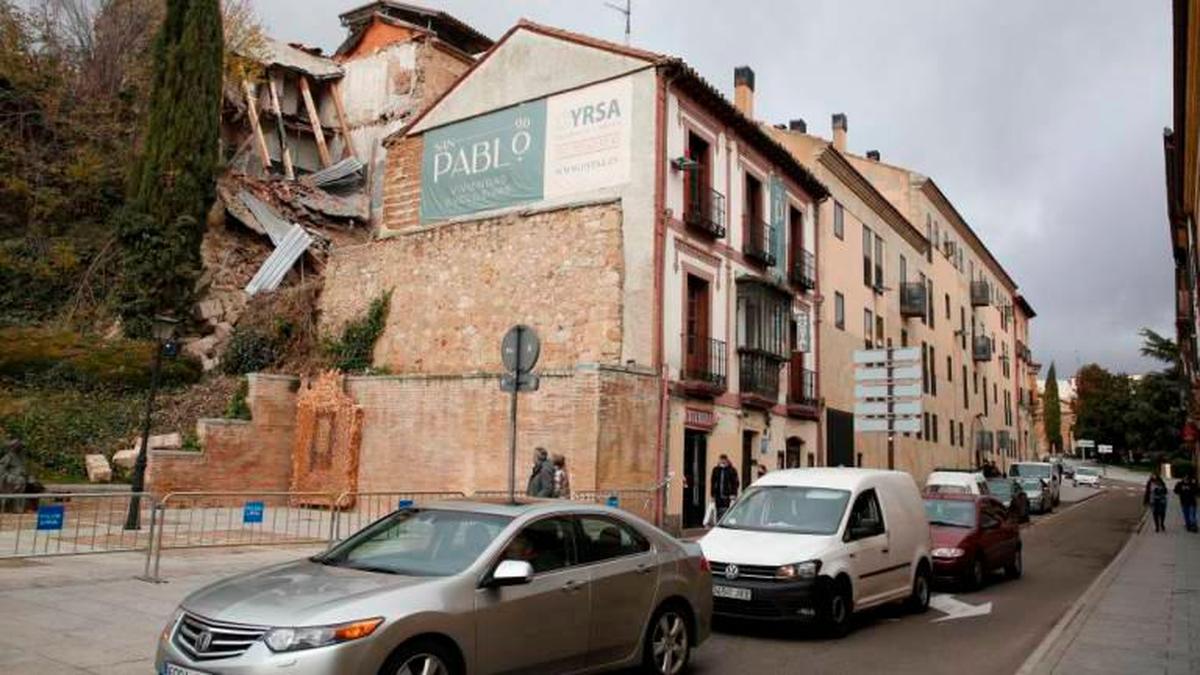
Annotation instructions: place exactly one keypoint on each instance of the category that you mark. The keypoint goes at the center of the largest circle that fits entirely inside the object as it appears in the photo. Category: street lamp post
(164, 333)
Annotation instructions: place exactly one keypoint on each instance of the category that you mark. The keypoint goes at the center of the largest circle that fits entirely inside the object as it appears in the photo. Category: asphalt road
(1063, 552)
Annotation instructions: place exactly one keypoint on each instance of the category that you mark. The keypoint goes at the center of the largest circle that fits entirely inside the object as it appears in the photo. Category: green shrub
(353, 352)
(65, 359)
(58, 428)
(238, 408)
(250, 350)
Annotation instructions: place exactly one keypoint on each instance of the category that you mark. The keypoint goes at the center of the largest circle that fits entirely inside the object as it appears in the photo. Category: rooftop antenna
(627, 10)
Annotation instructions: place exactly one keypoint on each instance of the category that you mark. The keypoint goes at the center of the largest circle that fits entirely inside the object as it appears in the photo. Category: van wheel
(1016, 567)
(839, 607)
(918, 602)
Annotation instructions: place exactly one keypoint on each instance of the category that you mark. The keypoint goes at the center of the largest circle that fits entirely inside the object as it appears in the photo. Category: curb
(1055, 644)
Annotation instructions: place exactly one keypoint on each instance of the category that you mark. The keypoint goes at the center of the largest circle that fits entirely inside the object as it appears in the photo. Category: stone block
(125, 459)
(98, 470)
(201, 347)
(210, 309)
(172, 441)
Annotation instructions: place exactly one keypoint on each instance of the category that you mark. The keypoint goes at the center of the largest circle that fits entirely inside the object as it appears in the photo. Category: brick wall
(458, 287)
(402, 185)
(237, 455)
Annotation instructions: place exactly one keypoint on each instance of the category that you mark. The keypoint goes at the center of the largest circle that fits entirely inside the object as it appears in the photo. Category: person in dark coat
(541, 477)
(1156, 499)
(1187, 488)
(724, 485)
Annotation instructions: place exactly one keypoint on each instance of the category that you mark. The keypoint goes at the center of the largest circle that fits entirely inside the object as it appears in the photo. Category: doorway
(747, 476)
(795, 449)
(695, 482)
(840, 438)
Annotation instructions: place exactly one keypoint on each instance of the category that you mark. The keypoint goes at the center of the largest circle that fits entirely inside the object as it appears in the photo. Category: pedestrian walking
(760, 472)
(1186, 488)
(724, 485)
(562, 480)
(1156, 498)
(541, 476)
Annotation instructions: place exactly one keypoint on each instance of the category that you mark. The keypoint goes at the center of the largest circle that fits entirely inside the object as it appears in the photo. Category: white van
(1044, 470)
(957, 482)
(820, 544)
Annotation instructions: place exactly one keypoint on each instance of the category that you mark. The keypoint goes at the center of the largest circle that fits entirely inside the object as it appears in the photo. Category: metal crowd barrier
(356, 510)
(73, 523)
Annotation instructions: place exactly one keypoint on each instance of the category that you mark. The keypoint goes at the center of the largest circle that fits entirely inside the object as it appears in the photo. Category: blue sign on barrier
(51, 517)
(406, 504)
(613, 501)
(253, 512)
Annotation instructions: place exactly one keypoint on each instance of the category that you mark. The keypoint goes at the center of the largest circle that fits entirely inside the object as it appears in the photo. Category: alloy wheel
(670, 643)
(922, 591)
(423, 664)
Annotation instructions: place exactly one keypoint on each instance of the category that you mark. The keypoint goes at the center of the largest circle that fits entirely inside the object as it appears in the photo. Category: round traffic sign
(520, 349)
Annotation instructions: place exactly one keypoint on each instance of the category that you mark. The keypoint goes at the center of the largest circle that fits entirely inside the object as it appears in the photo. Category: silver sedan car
(457, 588)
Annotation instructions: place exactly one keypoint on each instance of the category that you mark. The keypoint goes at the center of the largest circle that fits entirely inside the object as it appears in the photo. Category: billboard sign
(549, 148)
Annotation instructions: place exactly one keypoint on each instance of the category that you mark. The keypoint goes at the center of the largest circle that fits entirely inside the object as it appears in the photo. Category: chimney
(840, 127)
(743, 90)
(873, 155)
(798, 125)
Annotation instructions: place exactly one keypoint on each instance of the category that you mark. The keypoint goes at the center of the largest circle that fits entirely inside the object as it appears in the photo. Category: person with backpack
(1187, 488)
(1156, 498)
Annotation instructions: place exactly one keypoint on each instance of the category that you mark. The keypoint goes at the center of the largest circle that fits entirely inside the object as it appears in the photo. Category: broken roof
(444, 25)
(275, 53)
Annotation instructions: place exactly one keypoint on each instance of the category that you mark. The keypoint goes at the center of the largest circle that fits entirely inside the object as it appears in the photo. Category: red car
(973, 535)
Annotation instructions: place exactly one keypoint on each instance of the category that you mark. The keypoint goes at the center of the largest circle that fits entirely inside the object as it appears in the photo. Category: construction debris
(346, 173)
(278, 264)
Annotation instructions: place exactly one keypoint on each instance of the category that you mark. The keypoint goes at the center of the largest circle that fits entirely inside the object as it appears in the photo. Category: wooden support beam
(288, 168)
(260, 141)
(347, 141)
(315, 120)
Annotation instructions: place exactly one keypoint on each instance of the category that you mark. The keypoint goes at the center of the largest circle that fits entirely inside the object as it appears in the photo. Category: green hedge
(59, 428)
(65, 359)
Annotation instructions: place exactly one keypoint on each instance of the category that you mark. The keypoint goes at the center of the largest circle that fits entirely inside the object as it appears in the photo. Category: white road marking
(954, 608)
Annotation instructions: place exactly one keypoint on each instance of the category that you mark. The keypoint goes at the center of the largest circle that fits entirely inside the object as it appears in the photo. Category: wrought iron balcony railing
(704, 210)
(704, 362)
(759, 237)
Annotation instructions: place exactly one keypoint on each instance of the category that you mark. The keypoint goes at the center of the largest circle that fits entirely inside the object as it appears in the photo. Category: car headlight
(170, 627)
(804, 570)
(292, 639)
(948, 553)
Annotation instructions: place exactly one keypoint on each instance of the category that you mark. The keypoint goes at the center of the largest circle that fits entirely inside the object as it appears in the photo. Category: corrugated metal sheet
(278, 263)
(344, 173)
(270, 222)
(276, 53)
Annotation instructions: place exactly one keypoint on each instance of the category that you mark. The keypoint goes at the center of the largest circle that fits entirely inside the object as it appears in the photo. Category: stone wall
(237, 455)
(458, 287)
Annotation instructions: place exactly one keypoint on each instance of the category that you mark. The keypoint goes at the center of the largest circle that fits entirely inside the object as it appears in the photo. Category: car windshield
(1085, 471)
(418, 542)
(799, 510)
(1030, 470)
(1031, 484)
(1001, 488)
(950, 512)
(947, 489)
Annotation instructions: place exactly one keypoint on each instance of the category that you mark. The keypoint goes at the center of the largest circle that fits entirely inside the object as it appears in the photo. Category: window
(868, 327)
(985, 396)
(949, 369)
(947, 307)
(878, 262)
(966, 392)
(764, 317)
(868, 238)
(932, 371)
(962, 326)
(995, 393)
(839, 221)
(605, 539)
(925, 367)
(866, 519)
(929, 236)
(921, 281)
(545, 544)
(903, 269)
(932, 302)
(961, 439)
(903, 337)
(953, 440)
(975, 377)
(927, 432)
(839, 310)
(420, 542)
(935, 428)
(878, 332)
(753, 200)
(698, 202)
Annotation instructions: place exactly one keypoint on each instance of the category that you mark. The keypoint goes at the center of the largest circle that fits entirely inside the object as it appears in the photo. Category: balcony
(758, 379)
(914, 300)
(804, 271)
(704, 366)
(704, 211)
(759, 237)
(981, 349)
(802, 392)
(981, 294)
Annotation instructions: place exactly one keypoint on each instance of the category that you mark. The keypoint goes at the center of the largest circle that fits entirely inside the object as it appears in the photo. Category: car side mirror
(511, 573)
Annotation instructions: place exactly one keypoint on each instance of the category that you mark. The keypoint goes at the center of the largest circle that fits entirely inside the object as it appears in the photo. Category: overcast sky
(1042, 120)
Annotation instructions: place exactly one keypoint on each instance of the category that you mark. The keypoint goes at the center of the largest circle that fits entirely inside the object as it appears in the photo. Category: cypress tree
(1052, 412)
(173, 182)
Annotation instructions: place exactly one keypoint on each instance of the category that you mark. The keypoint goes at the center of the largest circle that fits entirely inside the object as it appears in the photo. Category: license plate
(731, 592)
(172, 669)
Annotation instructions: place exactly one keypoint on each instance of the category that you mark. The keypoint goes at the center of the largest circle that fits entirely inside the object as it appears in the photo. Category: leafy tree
(173, 181)
(1052, 412)
(1159, 348)
(1103, 401)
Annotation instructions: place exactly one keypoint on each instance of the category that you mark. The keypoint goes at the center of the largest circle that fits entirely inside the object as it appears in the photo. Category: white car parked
(820, 544)
(957, 482)
(1087, 475)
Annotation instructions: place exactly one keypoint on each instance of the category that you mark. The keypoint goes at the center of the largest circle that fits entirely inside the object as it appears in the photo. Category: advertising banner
(567, 144)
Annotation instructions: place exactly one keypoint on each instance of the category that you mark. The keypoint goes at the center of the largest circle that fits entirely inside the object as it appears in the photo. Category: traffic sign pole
(891, 409)
(512, 428)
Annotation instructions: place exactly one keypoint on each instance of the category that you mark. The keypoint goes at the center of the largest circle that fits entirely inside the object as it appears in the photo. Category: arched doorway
(793, 456)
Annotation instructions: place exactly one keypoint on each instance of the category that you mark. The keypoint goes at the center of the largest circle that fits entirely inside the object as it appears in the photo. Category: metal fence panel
(356, 510)
(70, 524)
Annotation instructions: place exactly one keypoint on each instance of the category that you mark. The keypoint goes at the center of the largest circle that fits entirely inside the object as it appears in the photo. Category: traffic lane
(1064, 552)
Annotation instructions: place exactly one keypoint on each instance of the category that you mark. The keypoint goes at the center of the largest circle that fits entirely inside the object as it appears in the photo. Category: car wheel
(1016, 567)
(977, 575)
(918, 602)
(668, 643)
(422, 657)
(839, 607)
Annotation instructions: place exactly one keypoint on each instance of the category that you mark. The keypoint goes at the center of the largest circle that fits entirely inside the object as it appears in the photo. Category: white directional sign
(881, 374)
(1085, 443)
(880, 409)
(867, 391)
(1105, 449)
(954, 608)
(864, 357)
(900, 425)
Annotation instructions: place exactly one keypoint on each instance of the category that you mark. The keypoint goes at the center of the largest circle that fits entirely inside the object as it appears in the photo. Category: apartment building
(900, 267)
(660, 242)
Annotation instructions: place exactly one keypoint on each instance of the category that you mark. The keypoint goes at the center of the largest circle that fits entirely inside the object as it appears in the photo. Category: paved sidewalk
(87, 614)
(1141, 616)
